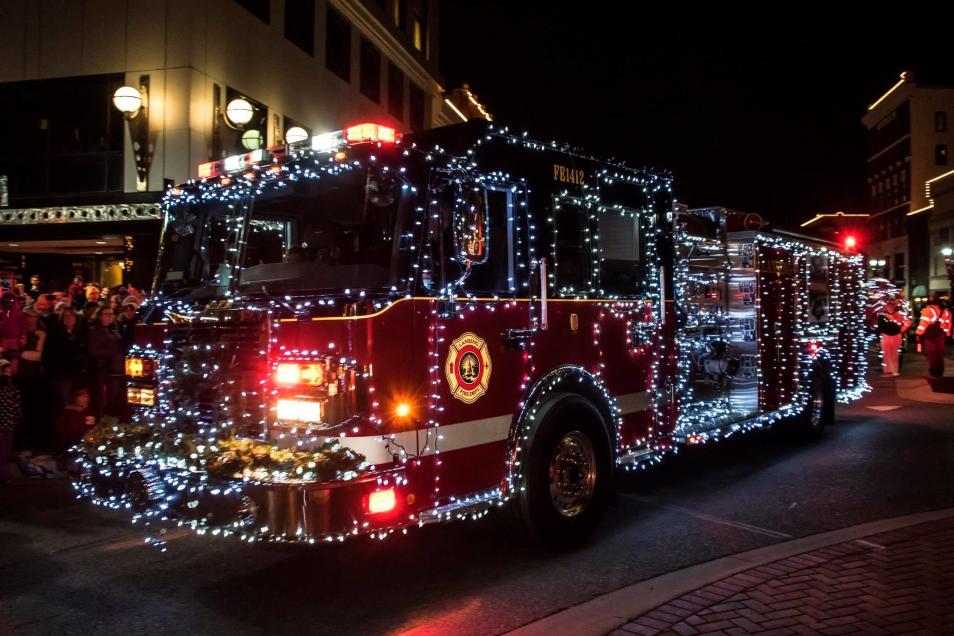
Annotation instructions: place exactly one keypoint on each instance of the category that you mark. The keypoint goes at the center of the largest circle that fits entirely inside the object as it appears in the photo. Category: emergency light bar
(325, 142)
(231, 164)
(363, 133)
(357, 134)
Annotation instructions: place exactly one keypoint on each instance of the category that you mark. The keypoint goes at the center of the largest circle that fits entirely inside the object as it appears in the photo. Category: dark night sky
(753, 109)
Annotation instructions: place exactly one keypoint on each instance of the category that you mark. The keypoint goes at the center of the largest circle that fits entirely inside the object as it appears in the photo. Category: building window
(370, 72)
(419, 31)
(940, 154)
(940, 121)
(395, 92)
(417, 108)
(261, 9)
(338, 45)
(300, 24)
(58, 146)
(400, 14)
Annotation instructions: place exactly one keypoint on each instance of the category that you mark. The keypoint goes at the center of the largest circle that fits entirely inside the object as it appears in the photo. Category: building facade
(909, 137)
(80, 184)
(940, 189)
(838, 227)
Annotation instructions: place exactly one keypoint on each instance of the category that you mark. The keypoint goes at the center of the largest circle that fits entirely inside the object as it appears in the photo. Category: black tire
(568, 478)
(820, 409)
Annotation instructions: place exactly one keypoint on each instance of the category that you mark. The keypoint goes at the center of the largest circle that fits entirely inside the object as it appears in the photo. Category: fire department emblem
(468, 368)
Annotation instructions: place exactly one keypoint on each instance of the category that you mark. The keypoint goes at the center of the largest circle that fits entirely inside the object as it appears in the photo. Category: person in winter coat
(36, 287)
(127, 322)
(39, 410)
(934, 328)
(89, 312)
(892, 324)
(92, 294)
(10, 415)
(12, 328)
(104, 346)
(64, 356)
(75, 420)
(76, 292)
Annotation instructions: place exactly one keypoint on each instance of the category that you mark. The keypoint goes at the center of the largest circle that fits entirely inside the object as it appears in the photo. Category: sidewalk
(913, 383)
(891, 583)
(893, 576)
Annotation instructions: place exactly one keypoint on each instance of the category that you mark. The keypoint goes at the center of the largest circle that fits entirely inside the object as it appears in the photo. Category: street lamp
(133, 103)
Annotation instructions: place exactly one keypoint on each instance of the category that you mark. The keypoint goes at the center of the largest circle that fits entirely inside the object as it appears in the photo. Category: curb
(605, 613)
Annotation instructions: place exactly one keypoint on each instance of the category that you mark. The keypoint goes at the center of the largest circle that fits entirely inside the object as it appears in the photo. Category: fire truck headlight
(297, 373)
(299, 411)
(286, 373)
(140, 396)
(140, 367)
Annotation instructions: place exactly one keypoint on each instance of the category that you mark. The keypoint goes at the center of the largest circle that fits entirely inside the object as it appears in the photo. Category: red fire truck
(368, 332)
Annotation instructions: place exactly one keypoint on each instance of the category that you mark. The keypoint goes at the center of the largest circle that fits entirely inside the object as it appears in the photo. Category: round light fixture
(127, 99)
(295, 134)
(252, 139)
(947, 251)
(239, 111)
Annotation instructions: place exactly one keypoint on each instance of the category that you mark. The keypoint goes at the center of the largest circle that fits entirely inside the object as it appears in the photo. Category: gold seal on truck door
(467, 367)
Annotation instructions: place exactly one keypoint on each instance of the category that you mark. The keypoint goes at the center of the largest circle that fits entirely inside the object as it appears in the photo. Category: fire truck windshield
(323, 234)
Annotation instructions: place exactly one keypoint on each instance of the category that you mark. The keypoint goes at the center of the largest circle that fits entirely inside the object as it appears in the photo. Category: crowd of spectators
(62, 362)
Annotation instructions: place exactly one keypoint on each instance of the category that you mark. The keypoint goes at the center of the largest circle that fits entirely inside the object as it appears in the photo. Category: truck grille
(218, 364)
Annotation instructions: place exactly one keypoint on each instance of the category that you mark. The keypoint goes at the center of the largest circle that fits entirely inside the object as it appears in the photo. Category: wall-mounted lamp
(133, 103)
(239, 112)
(295, 134)
(252, 139)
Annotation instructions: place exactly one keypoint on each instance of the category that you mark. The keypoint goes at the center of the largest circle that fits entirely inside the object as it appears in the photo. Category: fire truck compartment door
(717, 334)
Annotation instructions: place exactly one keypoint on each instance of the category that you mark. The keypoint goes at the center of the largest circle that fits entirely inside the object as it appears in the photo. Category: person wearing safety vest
(892, 323)
(933, 330)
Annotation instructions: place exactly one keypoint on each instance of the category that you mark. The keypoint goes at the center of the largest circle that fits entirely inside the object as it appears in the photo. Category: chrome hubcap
(572, 474)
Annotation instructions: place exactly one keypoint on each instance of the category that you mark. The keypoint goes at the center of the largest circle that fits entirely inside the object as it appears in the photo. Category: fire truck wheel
(820, 411)
(568, 475)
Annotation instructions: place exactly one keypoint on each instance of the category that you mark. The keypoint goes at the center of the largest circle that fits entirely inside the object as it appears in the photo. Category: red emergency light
(382, 501)
(370, 133)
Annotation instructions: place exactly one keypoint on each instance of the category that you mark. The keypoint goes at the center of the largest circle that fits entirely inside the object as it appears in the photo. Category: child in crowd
(74, 421)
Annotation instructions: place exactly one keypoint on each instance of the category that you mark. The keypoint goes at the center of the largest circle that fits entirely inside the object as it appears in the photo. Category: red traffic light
(851, 242)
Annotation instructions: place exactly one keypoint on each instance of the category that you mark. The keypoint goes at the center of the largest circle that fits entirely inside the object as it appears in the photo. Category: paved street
(67, 568)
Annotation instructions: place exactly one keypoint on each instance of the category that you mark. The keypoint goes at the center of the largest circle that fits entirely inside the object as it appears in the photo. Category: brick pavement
(898, 582)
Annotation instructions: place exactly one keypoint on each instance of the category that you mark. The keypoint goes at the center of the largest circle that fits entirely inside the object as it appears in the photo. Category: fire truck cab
(369, 332)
